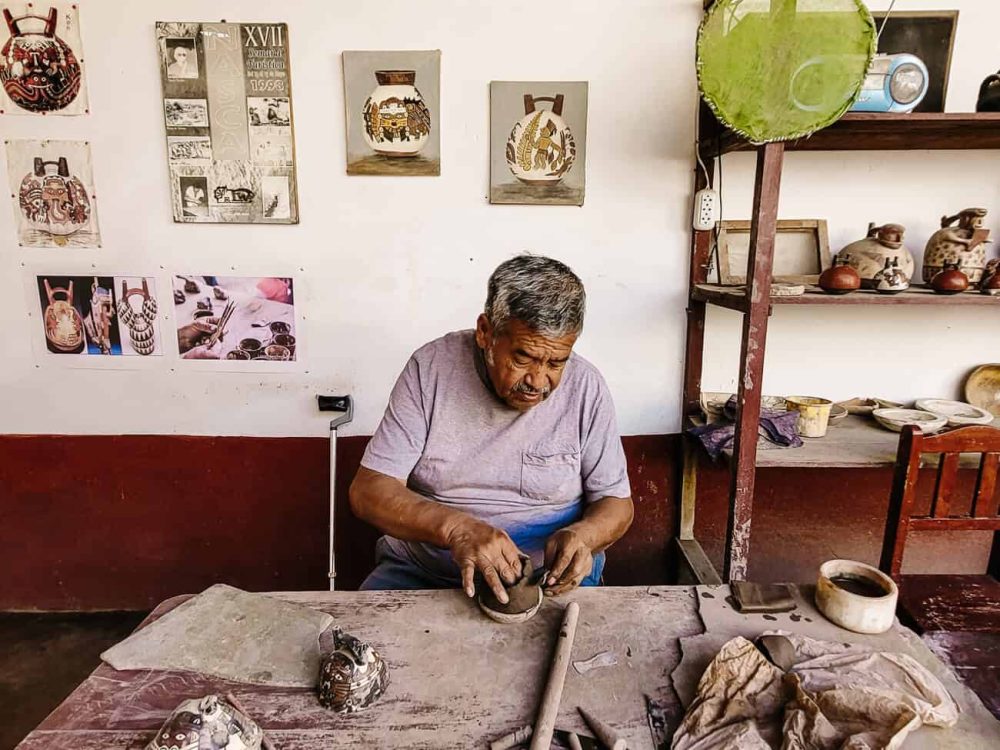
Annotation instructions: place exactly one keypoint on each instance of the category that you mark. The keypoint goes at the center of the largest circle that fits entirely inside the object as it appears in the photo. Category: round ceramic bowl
(897, 419)
(957, 413)
(982, 388)
(508, 619)
(856, 596)
(838, 413)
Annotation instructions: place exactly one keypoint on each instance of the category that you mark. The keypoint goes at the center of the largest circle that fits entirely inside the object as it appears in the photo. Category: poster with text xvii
(227, 105)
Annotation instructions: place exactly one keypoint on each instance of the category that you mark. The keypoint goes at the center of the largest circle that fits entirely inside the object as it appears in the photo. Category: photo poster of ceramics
(52, 192)
(538, 142)
(243, 319)
(41, 60)
(393, 105)
(88, 317)
(227, 105)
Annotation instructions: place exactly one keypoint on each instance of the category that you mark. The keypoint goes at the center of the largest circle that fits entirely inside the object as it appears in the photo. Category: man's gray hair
(542, 293)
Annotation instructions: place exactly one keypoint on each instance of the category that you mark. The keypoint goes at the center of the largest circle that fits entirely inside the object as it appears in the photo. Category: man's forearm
(387, 504)
(604, 522)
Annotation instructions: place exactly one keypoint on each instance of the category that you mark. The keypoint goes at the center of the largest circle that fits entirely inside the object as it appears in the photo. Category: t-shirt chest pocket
(551, 475)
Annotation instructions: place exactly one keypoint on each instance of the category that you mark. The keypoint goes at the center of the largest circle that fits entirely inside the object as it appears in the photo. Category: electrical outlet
(706, 209)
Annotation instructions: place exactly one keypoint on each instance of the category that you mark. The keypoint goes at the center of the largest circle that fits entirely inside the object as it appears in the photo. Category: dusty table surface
(457, 679)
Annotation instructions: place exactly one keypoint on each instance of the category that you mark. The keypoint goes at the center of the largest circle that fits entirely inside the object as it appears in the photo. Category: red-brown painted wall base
(97, 522)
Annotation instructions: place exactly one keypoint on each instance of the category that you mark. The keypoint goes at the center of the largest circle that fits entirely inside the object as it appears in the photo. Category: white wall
(369, 303)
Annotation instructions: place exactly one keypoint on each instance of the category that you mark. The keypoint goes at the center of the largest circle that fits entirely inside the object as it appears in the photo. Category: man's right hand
(476, 545)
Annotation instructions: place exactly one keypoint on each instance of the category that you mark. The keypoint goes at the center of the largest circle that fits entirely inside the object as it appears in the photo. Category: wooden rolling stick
(608, 737)
(548, 710)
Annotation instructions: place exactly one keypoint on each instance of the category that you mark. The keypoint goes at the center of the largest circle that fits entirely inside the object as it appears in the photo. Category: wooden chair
(945, 602)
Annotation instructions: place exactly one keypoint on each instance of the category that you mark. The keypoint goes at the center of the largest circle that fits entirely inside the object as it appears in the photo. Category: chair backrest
(982, 515)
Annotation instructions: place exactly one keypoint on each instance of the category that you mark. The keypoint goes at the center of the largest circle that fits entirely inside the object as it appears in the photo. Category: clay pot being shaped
(540, 149)
(868, 256)
(891, 279)
(207, 723)
(52, 200)
(989, 94)
(38, 70)
(949, 280)
(352, 677)
(964, 244)
(840, 278)
(397, 122)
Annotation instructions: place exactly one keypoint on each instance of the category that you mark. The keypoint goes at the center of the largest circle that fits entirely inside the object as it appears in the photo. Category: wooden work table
(457, 680)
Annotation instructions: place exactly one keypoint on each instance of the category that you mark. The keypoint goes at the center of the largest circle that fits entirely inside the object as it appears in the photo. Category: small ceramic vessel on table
(891, 279)
(868, 256)
(949, 280)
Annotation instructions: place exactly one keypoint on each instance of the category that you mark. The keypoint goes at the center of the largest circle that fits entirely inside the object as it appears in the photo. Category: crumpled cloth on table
(778, 427)
(832, 696)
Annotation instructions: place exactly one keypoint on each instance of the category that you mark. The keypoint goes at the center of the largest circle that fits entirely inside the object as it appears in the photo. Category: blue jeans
(394, 572)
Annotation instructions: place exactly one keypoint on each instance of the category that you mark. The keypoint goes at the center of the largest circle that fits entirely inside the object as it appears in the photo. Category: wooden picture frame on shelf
(801, 251)
(928, 34)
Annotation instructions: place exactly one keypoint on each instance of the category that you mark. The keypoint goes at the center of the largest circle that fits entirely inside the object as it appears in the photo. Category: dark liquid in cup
(859, 585)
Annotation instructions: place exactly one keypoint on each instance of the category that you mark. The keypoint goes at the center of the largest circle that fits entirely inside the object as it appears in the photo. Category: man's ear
(484, 331)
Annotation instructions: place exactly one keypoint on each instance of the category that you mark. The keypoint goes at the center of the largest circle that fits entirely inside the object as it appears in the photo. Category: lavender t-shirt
(529, 473)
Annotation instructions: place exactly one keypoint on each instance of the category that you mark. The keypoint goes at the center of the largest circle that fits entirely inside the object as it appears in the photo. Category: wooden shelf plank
(734, 298)
(873, 131)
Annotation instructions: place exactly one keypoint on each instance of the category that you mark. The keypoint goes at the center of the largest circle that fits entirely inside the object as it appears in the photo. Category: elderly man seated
(498, 442)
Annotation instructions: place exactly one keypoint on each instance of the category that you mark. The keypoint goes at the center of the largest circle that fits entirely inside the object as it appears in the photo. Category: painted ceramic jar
(54, 201)
(540, 148)
(140, 322)
(397, 122)
(950, 280)
(353, 676)
(207, 724)
(840, 278)
(891, 279)
(63, 323)
(868, 256)
(38, 70)
(964, 244)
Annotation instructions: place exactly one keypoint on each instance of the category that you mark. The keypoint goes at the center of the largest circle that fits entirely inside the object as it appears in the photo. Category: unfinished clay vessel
(964, 244)
(525, 598)
(950, 280)
(840, 278)
(207, 724)
(353, 676)
(869, 256)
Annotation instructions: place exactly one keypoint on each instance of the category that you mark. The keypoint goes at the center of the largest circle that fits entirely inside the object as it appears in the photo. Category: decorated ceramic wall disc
(783, 69)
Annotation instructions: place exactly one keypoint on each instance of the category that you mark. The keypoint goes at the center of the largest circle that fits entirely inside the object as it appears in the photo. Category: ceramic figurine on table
(891, 279)
(353, 677)
(989, 94)
(840, 278)
(964, 244)
(540, 148)
(949, 280)
(208, 723)
(868, 256)
(397, 123)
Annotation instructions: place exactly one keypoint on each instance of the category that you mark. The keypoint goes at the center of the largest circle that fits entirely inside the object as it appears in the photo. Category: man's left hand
(568, 559)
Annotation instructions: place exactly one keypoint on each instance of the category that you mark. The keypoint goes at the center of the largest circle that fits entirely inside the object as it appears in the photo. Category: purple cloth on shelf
(778, 427)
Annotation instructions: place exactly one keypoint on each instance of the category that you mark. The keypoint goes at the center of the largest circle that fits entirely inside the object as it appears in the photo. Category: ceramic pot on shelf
(540, 148)
(990, 283)
(397, 122)
(949, 280)
(989, 94)
(840, 278)
(891, 279)
(868, 256)
(964, 244)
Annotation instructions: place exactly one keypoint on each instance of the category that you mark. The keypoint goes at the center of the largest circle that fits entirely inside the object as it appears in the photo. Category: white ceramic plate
(896, 419)
(957, 413)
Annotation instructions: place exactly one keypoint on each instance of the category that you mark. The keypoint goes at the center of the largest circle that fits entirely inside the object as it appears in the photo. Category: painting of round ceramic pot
(52, 200)
(353, 676)
(279, 326)
(397, 122)
(63, 323)
(38, 70)
(207, 724)
(238, 354)
(964, 244)
(253, 347)
(285, 340)
(277, 353)
(869, 256)
(540, 149)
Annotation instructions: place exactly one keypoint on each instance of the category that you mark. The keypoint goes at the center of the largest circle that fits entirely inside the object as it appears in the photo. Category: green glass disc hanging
(773, 70)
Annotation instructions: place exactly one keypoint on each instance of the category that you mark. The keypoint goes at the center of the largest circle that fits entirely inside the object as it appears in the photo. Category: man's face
(524, 366)
(180, 55)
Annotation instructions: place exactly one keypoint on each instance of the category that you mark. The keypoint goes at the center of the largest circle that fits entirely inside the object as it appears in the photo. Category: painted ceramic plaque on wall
(99, 315)
(52, 189)
(538, 136)
(393, 106)
(227, 104)
(41, 60)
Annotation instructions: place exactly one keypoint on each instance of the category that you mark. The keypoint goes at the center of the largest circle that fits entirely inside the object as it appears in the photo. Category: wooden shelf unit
(855, 445)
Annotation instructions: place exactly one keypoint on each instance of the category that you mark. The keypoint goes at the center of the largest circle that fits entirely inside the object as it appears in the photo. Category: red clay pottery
(949, 280)
(990, 283)
(840, 278)
(964, 244)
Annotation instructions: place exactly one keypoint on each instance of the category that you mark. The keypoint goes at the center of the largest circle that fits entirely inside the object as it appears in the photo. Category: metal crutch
(345, 405)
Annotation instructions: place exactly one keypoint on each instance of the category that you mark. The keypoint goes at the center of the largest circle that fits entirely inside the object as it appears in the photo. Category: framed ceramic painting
(930, 35)
(393, 105)
(538, 142)
(801, 251)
